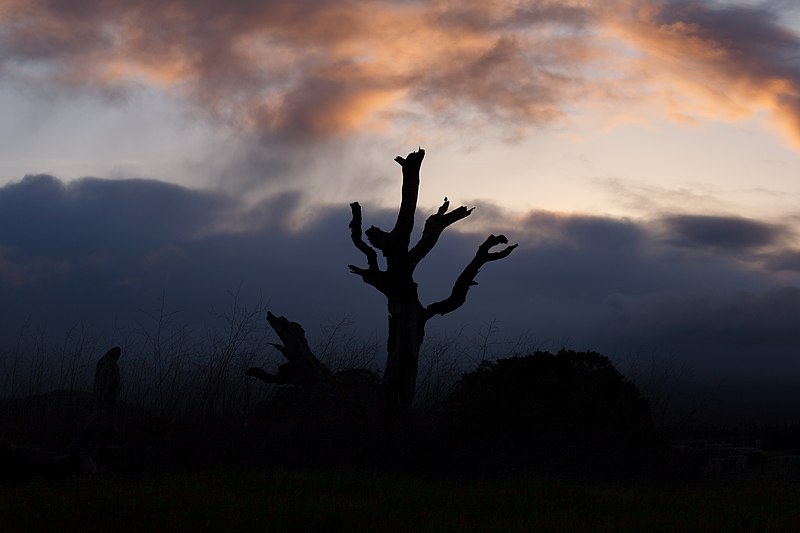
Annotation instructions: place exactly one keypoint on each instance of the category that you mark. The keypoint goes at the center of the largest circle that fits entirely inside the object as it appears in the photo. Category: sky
(645, 155)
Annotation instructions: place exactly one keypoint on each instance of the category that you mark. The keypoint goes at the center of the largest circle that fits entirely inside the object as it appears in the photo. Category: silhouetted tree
(407, 316)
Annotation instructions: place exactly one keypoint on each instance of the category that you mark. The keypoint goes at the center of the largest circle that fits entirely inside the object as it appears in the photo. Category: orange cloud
(314, 69)
(725, 62)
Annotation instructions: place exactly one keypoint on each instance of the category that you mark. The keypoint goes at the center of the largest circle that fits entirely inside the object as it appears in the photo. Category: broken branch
(372, 275)
(434, 226)
(410, 192)
(358, 240)
(467, 278)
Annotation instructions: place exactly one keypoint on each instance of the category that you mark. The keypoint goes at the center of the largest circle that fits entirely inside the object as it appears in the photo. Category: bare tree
(407, 316)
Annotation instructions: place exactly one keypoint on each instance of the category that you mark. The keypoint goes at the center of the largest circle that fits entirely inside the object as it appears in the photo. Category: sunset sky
(645, 155)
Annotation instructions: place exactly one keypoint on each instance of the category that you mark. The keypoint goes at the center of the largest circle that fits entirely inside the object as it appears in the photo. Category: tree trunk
(406, 332)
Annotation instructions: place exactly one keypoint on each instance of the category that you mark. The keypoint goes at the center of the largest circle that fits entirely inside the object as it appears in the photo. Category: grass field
(238, 500)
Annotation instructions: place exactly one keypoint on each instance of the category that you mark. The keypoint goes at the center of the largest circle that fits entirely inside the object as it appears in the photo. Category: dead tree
(407, 316)
(302, 367)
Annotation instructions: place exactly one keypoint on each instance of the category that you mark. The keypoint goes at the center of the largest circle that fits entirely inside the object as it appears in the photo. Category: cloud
(787, 260)
(735, 234)
(33, 209)
(619, 235)
(478, 16)
(722, 60)
(104, 252)
(616, 285)
(648, 200)
(311, 69)
(18, 269)
(317, 69)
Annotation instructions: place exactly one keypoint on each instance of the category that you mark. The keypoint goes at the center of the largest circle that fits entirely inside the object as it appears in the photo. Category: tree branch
(410, 192)
(358, 240)
(434, 226)
(380, 239)
(372, 275)
(376, 278)
(467, 278)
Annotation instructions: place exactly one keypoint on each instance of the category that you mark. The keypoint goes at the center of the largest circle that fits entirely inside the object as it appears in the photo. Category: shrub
(545, 409)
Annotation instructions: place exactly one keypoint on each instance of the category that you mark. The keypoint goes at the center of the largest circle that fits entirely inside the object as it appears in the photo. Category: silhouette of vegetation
(90, 435)
(569, 414)
(320, 418)
(334, 423)
(544, 409)
(407, 315)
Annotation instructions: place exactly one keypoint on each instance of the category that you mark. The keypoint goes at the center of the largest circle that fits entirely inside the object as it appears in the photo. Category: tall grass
(175, 371)
(170, 371)
(195, 376)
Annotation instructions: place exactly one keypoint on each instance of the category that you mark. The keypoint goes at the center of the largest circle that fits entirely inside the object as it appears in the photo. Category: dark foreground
(765, 499)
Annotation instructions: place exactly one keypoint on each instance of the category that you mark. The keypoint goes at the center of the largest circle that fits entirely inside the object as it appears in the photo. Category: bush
(544, 409)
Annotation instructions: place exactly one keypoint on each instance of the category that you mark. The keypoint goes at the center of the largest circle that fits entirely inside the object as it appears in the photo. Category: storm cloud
(103, 253)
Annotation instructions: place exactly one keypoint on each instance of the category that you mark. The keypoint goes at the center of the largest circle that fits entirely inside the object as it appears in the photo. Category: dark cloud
(735, 234)
(102, 249)
(718, 333)
(783, 260)
(105, 252)
(17, 268)
(473, 15)
(42, 213)
(617, 235)
(751, 40)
